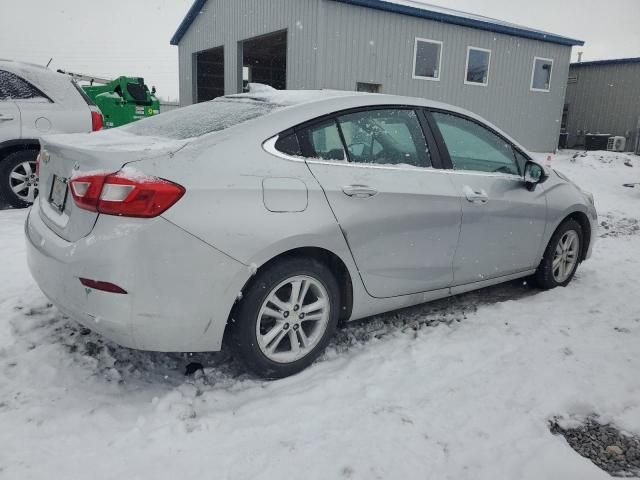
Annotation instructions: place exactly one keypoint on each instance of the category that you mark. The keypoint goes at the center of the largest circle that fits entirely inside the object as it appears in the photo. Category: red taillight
(123, 195)
(96, 121)
(104, 286)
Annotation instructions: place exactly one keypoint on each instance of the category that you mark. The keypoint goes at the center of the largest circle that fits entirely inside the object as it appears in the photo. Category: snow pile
(462, 388)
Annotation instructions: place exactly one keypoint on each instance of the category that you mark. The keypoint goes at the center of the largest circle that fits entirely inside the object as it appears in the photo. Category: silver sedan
(265, 219)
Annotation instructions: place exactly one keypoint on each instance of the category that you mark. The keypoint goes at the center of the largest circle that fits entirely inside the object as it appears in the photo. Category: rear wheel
(561, 258)
(286, 317)
(18, 179)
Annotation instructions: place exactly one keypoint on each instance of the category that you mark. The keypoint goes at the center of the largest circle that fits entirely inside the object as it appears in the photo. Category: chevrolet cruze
(265, 219)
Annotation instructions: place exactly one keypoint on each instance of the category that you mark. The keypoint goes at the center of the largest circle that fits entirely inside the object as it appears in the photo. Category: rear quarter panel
(224, 202)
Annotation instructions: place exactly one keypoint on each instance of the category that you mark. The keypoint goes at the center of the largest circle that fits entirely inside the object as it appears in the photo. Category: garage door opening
(264, 60)
(209, 74)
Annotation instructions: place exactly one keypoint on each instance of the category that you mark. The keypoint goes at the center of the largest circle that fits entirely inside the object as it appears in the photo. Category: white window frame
(415, 57)
(466, 70)
(533, 71)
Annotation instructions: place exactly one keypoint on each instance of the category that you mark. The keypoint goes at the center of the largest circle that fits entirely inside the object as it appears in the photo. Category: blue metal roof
(420, 10)
(615, 61)
(191, 15)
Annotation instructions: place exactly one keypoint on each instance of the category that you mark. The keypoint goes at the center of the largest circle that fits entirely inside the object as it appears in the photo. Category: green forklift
(121, 101)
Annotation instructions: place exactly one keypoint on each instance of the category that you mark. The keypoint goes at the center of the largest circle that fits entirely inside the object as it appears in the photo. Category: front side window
(385, 137)
(541, 76)
(12, 87)
(474, 147)
(427, 59)
(478, 61)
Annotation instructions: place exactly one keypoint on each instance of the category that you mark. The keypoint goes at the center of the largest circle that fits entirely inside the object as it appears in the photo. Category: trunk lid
(68, 156)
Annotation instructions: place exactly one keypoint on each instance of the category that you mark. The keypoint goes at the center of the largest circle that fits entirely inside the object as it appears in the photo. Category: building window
(427, 59)
(368, 87)
(478, 62)
(541, 74)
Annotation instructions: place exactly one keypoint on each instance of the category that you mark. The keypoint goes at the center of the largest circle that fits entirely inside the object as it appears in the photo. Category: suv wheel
(286, 317)
(18, 179)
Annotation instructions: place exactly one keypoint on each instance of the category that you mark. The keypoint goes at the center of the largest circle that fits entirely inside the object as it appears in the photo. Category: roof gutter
(189, 18)
(381, 5)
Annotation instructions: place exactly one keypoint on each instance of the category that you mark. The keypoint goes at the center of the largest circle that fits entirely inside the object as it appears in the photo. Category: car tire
(22, 163)
(268, 318)
(561, 257)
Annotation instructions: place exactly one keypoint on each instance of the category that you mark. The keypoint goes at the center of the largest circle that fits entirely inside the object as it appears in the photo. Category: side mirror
(533, 175)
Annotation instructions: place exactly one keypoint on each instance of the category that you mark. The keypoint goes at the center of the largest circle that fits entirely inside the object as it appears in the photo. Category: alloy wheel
(23, 181)
(293, 318)
(565, 256)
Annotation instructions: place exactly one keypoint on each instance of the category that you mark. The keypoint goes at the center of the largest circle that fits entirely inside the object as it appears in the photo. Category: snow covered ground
(462, 388)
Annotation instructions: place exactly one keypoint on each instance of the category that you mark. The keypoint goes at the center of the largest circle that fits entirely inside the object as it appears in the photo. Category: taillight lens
(96, 121)
(125, 195)
(38, 165)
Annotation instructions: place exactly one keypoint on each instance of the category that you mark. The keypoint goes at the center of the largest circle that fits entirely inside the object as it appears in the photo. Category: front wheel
(561, 258)
(286, 317)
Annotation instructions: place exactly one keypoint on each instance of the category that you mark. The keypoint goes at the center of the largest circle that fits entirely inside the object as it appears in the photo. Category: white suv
(35, 101)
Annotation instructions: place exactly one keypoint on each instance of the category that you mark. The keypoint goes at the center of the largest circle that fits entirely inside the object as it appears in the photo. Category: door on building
(209, 65)
(502, 222)
(264, 60)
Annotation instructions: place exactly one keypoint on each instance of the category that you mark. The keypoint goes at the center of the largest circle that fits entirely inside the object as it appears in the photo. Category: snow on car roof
(265, 93)
(53, 84)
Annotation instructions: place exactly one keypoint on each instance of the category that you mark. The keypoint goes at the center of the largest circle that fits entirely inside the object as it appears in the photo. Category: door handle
(359, 191)
(4, 118)
(474, 195)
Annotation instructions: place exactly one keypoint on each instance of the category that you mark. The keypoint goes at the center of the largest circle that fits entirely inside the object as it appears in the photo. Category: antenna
(49, 62)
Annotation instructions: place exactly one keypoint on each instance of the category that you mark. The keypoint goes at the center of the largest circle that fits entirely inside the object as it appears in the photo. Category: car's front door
(400, 215)
(503, 223)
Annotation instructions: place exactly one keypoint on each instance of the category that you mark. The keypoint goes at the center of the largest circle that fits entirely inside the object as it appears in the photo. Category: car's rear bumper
(180, 290)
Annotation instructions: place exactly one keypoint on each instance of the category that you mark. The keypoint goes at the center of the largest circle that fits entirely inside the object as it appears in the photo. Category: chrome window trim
(269, 147)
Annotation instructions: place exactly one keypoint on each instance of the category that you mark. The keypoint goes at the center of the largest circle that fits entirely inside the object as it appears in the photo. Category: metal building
(604, 97)
(514, 76)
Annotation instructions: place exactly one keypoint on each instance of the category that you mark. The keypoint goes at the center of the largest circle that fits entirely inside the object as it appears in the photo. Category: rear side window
(324, 141)
(12, 87)
(474, 147)
(385, 137)
(289, 145)
(200, 119)
(83, 94)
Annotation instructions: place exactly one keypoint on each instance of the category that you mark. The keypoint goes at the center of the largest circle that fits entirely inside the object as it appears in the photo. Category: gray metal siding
(605, 99)
(333, 45)
(378, 47)
(226, 22)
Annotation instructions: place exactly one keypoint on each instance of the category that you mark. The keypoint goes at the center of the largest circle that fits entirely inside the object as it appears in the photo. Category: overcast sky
(131, 37)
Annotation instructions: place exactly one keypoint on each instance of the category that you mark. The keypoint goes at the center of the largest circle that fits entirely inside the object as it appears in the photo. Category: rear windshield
(200, 119)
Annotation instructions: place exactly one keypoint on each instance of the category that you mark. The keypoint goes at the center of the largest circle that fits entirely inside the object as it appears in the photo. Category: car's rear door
(400, 214)
(9, 113)
(57, 107)
(503, 222)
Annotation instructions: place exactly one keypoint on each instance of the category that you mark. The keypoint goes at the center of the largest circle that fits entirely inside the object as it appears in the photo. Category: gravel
(614, 451)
